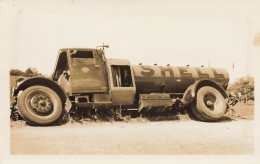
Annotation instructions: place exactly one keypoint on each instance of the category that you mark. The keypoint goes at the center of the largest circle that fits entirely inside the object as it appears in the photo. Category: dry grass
(242, 111)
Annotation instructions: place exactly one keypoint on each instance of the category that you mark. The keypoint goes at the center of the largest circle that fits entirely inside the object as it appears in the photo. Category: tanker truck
(85, 79)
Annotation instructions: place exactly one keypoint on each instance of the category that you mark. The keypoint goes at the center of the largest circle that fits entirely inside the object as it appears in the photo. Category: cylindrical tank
(155, 79)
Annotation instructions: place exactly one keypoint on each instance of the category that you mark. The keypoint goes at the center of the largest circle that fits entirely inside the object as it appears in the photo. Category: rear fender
(191, 91)
(48, 83)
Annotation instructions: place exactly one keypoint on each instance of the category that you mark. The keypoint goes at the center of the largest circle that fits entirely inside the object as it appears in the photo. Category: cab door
(88, 72)
(122, 85)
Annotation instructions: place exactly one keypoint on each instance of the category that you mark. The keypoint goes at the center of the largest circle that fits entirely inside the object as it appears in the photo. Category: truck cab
(88, 77)
(83, 69)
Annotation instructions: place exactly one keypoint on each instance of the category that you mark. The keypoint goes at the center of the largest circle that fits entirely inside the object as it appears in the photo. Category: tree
(243, 88)
(16, 72)
(30, 72)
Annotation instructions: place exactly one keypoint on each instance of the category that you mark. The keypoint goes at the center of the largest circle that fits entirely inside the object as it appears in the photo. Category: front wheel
(40, 105)
(209, 104)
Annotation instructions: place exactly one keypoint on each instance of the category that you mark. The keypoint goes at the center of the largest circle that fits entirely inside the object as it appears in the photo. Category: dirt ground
(178, 135)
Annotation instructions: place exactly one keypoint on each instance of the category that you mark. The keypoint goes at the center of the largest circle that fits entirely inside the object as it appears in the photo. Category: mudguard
(191, 91)
(48, 83)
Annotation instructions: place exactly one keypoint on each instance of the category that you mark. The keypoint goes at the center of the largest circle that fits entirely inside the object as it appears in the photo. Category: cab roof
(81, 49)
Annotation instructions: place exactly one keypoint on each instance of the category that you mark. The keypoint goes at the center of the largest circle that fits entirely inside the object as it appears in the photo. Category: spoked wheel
(40, 105)
(209, 104)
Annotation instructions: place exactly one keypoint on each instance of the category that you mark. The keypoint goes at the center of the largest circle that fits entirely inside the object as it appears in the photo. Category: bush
(16, 72)
(243, 89)
(30, 72)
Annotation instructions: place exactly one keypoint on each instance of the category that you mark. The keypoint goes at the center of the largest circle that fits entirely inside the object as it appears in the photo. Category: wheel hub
(209, 101)
(41, 103)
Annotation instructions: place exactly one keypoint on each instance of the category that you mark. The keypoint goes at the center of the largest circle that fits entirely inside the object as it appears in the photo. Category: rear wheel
(209, 104)
(40, 105)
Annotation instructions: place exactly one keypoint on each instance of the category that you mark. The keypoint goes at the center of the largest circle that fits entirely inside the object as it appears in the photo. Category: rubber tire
(196, 114)
(201, 111)
(28, 115)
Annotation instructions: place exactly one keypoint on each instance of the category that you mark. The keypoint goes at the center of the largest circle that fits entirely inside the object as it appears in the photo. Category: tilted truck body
(86, 79)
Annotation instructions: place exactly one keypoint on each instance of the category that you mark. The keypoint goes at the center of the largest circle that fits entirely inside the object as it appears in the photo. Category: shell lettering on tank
(176, 72)
(179, 72)
(185, 72)
(166, 71)
(218, 73)
(147, 71)
(205, 73)
(193, 72)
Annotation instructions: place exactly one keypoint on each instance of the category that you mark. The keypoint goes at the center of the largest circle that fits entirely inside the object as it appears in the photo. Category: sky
(176, 32)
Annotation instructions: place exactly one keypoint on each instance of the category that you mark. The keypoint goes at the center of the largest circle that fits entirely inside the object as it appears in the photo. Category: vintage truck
(84, 78)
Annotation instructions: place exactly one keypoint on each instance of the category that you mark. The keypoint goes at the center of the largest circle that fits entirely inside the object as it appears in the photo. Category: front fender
(48, 83)
(191, 91)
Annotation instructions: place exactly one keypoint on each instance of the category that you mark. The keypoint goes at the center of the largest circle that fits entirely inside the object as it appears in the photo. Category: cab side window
(62, 65)
(121, 76)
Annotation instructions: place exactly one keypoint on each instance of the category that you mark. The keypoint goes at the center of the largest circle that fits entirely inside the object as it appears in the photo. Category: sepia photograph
(127, 78)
